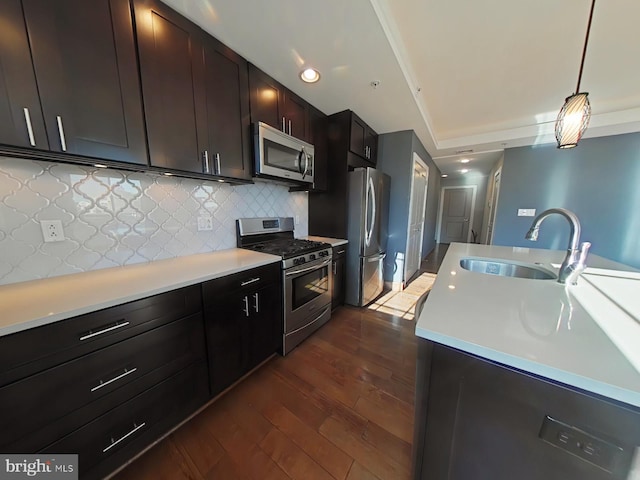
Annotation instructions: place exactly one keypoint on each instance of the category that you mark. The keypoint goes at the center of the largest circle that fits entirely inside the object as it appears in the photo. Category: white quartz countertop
(333, 241)
(537, 326)
(31, 304)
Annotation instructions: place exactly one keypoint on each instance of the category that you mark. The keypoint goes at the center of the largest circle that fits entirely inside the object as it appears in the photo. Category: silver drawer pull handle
(122, 375)
(205, 157)
(63, 141)
(249, 282)
(115, 442)
(217, 164)
(105, 330)
(27, 119)
(256, 297)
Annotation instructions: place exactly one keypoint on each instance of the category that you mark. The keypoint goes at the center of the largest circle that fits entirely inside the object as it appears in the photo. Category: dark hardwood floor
(340, 406)
(432, 262)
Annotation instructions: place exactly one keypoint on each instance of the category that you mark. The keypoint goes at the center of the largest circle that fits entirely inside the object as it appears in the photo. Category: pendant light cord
(586, 41)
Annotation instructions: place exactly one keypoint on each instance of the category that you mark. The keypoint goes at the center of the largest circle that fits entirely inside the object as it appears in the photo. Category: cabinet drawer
(112, 439)
(122, 370)
(215, 291)
(28, 352)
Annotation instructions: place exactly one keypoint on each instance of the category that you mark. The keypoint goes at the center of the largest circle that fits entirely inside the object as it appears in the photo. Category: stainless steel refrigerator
(368, 210)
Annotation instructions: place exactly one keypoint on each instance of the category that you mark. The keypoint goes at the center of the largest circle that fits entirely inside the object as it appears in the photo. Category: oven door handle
(313, 267)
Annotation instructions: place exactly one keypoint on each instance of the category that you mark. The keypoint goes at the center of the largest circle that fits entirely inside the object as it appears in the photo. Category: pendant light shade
(573, 120)
(574, 115)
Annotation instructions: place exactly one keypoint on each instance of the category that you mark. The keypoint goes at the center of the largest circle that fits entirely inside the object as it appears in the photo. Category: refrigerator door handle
(372, 198)
(377, 257)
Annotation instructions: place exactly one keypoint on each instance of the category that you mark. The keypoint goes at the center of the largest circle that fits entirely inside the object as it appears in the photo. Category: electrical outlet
(526, 212)
(52, 230)
(297, 220)
(205, 223)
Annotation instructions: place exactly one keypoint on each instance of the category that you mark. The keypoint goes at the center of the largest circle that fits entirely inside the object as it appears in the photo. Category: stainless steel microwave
(280, 156)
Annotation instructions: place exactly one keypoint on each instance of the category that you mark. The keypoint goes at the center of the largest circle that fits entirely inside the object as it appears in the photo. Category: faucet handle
(584, 251)
(577, 267)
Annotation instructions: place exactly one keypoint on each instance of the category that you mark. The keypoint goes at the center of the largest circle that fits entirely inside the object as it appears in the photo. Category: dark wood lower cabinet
(482, 420)
(339, 271)
(243, 322)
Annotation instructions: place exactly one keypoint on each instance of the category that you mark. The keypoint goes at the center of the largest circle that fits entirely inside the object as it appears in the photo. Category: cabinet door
(266, 97)
(296, 114)
(371, 145)
(318, 137)
(358, 135)
(171, 67)
(265, 329)
(85, 62)
(227, 91)
(226, 329)
(19, 103)
(337, 298)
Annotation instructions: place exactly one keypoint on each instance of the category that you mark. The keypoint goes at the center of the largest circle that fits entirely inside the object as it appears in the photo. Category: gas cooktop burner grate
(287, 248)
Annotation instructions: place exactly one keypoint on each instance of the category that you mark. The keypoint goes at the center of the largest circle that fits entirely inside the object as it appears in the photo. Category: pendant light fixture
(574, 115)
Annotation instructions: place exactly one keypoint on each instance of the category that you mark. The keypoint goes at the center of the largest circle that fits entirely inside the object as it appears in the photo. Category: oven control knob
(299, 261)
(312, 256)
(323, 253)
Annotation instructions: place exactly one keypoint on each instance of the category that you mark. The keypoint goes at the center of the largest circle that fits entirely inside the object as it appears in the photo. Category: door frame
(474, 189)
(494, 207)
(422, 163)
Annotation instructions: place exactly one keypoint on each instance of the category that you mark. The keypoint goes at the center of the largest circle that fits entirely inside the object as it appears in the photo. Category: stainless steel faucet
(575, 261)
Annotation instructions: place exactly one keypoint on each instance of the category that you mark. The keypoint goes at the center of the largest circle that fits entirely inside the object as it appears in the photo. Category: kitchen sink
(506, 268)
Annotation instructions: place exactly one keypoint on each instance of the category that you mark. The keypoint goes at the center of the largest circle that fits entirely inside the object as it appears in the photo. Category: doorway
(457, 205)
(415, 227)
(493, 206)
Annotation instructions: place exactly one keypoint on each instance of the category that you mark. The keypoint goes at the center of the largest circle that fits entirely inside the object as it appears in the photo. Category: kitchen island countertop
(39, 302)
(536, 326)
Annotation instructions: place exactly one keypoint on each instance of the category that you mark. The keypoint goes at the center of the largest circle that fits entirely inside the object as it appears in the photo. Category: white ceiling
(476, 75)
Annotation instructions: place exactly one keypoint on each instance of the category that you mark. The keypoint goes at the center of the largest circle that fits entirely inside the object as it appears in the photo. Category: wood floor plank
(377, 462)
(384, 441)
(196, 442)
(226, 469)
(163, 462)
(291, 458)
(358, 472)
(331, 458)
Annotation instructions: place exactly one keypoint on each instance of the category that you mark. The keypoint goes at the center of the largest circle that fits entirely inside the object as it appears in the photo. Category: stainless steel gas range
(307, 276)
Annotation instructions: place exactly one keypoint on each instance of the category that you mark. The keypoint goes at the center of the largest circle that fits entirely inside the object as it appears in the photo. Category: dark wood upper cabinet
(85, 64)
(363, 139)
(195, 94)
(318, 129)
(275, 105)
(266, 99)
(227, 92)
(21, 121)
(171, 67)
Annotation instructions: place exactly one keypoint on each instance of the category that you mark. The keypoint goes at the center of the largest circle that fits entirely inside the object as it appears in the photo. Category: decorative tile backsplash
(112, 217)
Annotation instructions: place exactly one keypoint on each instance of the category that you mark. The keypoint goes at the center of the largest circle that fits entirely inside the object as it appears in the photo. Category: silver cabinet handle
(246, 306)
(27, 119)
(289, 127)
(104, 330)
(114, 379)
(256, 298)
(283, 129)
(249, 282)
(217, 164)
(115, 442)
(205, 159)
(63, 141)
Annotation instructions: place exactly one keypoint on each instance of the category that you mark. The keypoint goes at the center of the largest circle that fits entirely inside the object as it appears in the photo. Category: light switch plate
(526, 212)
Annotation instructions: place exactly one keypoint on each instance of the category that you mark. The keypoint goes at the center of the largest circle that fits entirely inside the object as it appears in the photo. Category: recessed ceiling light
(310, 75)
(465, 160)
(444, 175)
(464, 170)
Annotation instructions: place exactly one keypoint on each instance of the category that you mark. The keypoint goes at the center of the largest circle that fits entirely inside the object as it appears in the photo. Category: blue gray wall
(395, 158)
(599, 181)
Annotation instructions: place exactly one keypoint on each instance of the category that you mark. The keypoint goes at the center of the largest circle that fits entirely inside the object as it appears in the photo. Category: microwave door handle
(301, 154)
(306, 165)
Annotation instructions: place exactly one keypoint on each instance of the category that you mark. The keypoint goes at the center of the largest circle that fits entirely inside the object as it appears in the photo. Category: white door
(493, 206)
(457, 213)
(417, 205)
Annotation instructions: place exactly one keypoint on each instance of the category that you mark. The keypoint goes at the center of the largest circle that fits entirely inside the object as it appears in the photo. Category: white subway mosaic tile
(113, 218)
